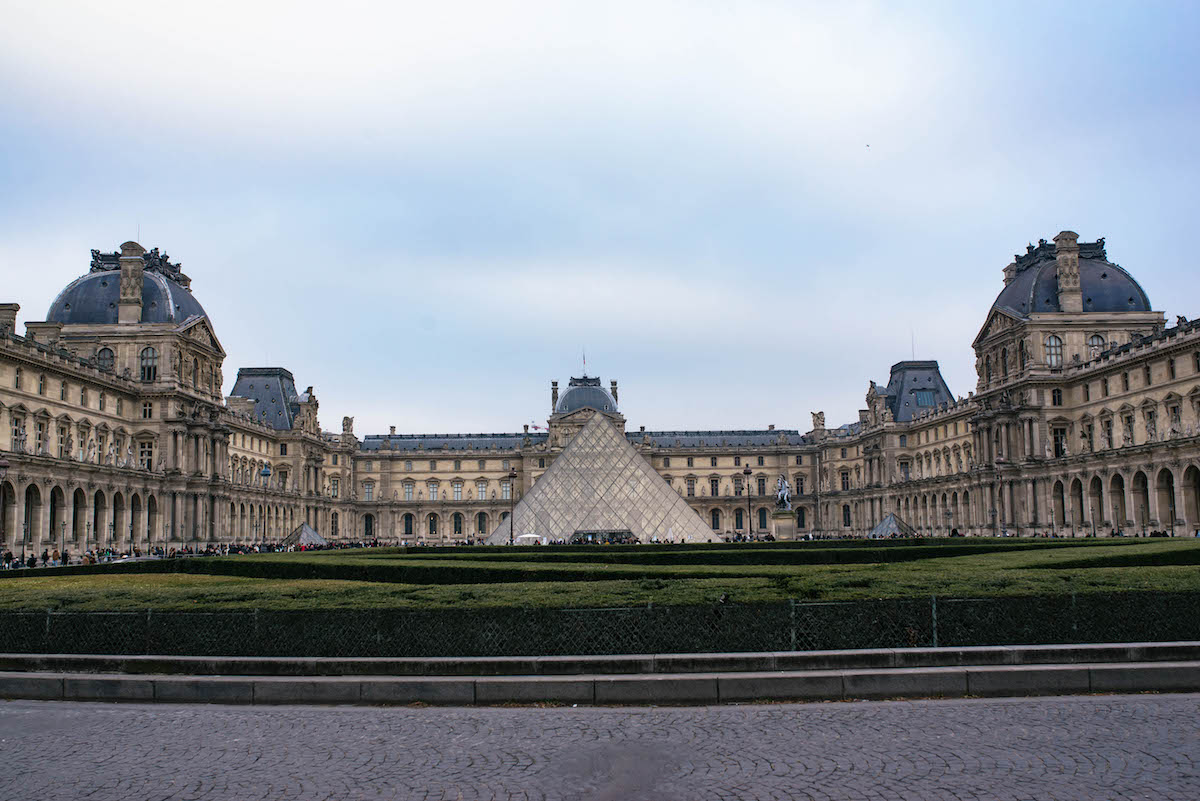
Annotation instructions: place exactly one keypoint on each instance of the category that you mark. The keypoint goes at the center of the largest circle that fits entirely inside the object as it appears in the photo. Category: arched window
(408, 525)
(333, 524)
(481, 523)
(149, 363)
(846, 515)
(458, 524)
(1095, 345)
(987, 368)
(716, 519)
(104, 359)
(1054, 351)
(1004, 362)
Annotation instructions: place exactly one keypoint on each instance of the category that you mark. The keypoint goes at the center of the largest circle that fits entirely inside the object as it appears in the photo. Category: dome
(1105, 287)
(585, 393)
(93, 298)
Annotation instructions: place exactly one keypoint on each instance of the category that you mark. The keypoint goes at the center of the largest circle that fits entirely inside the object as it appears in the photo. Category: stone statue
(818, 421)
(783, 493)
(347, 425)
(110, 454)
(1151, 432)
(91, 451)
(1126, 437)
(70, 448)
(161, 462)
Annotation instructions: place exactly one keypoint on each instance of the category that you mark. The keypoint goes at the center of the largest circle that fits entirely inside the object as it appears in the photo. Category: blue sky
(743, 212)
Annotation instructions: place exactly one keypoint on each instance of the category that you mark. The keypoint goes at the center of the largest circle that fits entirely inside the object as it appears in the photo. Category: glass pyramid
(601, 483)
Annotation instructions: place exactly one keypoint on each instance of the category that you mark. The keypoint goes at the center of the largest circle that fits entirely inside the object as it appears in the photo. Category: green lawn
(603, 577)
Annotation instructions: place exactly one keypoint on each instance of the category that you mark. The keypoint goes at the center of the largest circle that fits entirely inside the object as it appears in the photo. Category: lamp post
(112, 534)
(747, 472)
(265, 475)
(3, 517)
(512, 501)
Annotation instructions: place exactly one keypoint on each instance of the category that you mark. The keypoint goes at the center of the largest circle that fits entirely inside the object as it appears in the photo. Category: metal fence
(788, 626)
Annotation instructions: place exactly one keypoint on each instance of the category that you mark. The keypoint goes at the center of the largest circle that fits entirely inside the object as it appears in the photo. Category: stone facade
(1085, 417)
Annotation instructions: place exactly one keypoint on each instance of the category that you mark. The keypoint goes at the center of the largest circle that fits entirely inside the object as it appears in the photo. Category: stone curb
(665, 689)
(619, 665)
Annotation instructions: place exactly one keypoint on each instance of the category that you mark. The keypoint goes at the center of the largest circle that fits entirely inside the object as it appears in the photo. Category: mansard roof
(273, 390)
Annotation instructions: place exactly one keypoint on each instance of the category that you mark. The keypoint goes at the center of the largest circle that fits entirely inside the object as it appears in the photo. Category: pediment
(997, 322)
(199, 331)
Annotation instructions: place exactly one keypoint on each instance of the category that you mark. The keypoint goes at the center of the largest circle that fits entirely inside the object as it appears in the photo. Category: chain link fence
(788, 626)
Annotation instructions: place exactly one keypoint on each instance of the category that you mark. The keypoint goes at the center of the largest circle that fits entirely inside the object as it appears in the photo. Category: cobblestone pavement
(1112, 747)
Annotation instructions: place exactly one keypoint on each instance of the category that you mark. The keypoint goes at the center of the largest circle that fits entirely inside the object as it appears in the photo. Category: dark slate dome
(93, 298)
(1106, 287)
(585, 393)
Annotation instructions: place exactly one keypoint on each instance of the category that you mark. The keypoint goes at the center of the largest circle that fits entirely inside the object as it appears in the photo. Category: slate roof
(450, 442)
(583, 393)
(1106, 287)
(273, 390)
(906, 379)
(93, 298)
(709, 439)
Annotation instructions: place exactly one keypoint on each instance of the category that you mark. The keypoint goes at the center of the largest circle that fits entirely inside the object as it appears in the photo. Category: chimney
(391, 431)
(8, 317)
(1010, 272)
(132, 265)
(771, 427)
(1066, 254)
(613, 384)
(642, 429)
(553, 396)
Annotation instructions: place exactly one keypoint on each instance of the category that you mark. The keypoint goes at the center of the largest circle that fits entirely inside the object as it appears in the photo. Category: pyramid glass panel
(600, 483)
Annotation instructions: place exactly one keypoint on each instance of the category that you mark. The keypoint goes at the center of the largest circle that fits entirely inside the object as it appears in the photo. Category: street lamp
(512, 501)
(265, 475)
(747, 472)
(3, 472)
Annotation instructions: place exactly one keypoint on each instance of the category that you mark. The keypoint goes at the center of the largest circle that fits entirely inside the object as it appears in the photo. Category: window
(42, 385)
(457, 464)
(482, 464)
(1087, 392)
(1060, 442)
(1056, 397)
(432, 465)
(18, 434)
(506, 490)
(1003, 364)
(799, 485)
(1104, 387)
(1106, 428)
(62, 391)
(1022, 355)
(845, 479)
(1124, 382)
(714, 487)
(333, 524)
(40, 438)
(716, 520)
(368, 465)
(1095, 345)
(666, 461)
(335, 456)
(433, 491)
(102, 401)
(149, 364)
(843, 453)
(408, 465)
(737, 461)
(690, 462)
(1196, 359)
(1146, 375)
(457, 488)
(739, 520)
(691, 487)
(846, 515)
(541, 462)
(408, 490)
(146, 455)
(481, 489)
(800, 523)
(505, 465)
(762, 486)
(1054, 351)
(283, 449)
(195, 374)
(1171, 368)
(924, 397)
(334, 485)
(762, 519)
(17, 378)
(104, 359)
(799, 459)
(905, 471)
(987, 368)
(903, 440)
(119, 404)
(62, 442)
(712, 461)
(368, 491)
(760, 461)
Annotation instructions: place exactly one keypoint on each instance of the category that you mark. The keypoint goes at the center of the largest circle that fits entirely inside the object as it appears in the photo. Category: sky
(742, 212)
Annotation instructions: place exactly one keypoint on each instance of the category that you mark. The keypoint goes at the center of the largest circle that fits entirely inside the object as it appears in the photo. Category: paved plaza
(1111, 747)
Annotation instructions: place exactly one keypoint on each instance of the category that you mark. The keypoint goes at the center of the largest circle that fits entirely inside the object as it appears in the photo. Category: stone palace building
(113, 428)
